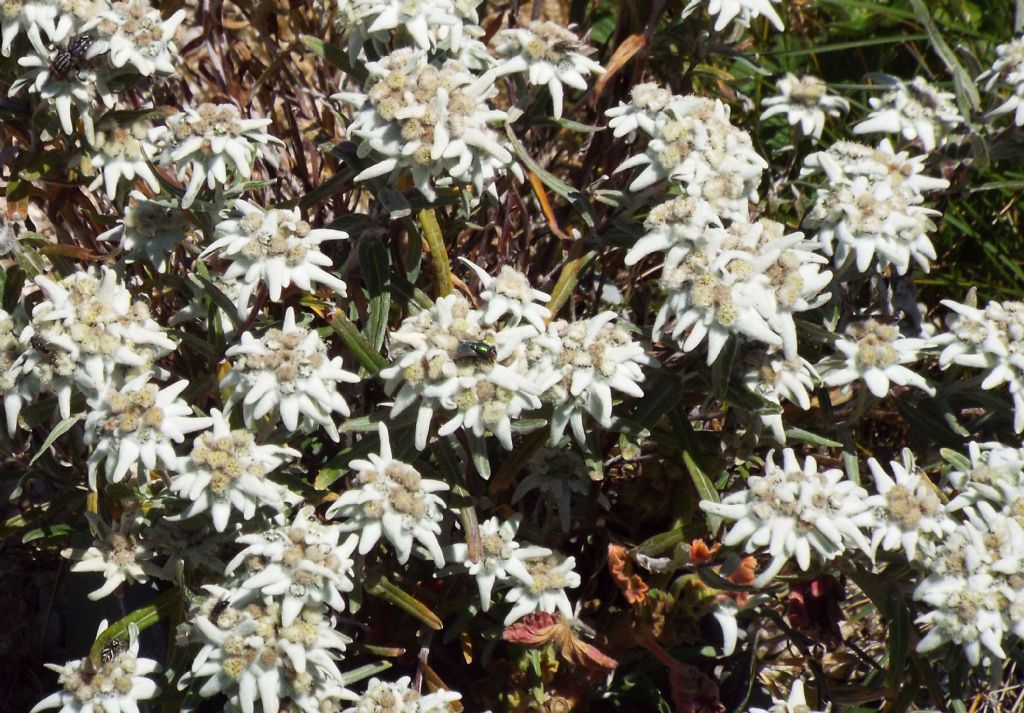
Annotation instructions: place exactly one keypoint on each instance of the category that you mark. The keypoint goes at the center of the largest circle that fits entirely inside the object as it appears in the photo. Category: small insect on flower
(40, 345)
(218, 608)
(112, 649)
(70, 57)
(476, 350)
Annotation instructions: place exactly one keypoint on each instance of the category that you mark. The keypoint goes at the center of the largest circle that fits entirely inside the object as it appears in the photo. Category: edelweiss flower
(677, 227)
(549, 55)
(433, 122)
(502, 557)
(206, 142)
(392, 499)
(875, 353)
(805, 101)
(150, 230)
(742, 11)
(433, 363)
(646, 102)
(749, 279)
(400, 697)
(118, 555)
(139, 36)
(558, 474)
(995, 472)
(992, 339)
(908, 507)
(276, 248)
(965, 611)
(796, 703)
(302, 564)
(227, 471)
(578, 365)
(773, 377)
(120, 153)
(1006, 72)
(694, 143)
(250, 655)
(117, 683)
(544, 588)
(795, 511)
(137, 423)
(916, 110)
(872, 220)
(844, 161)
(287, 372)
(509, 293)
(87, 334)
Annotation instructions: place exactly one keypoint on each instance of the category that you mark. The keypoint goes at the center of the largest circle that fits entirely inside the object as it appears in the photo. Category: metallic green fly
(476, 350)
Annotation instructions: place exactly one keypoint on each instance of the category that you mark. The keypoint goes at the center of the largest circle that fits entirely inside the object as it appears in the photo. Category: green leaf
(59, 430)
(551, 181)
(365, 671)
(374, 259)
(161, 607)
(220, 299)
(898, 621)
(663, 391)
(370, 358)
(967, 97)
(46, 532)
(955, 458)
(385, 589)
(799, 434)
(334, 56)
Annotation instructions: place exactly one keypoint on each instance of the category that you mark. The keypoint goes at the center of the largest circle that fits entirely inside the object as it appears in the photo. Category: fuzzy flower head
(916, 110)
(646, 103)
(509, 295)
(582, 364)
(433, 122)
(502, 557)
(875, 353)
(774, 378)
(301, 564)
(694, 143)
(544, 588)
(275, 248)
(449, 362)
(60, 70)
(137, 424)
(288, 374)
(150, 230)
(85, 335)
(118, 554)
(796, 511)
(251, 655)
(675, 227)
(227, 471)
(205, 142)
(400, 697)
(872, 221)
(391, 498)
(1007, 72)
(806, 103)
(908, 507)
(138, 36)
(991, 339)
(120, 154)
(748, 280)
(845, 161)
(118, 682)
(993, 472)
(549, 55)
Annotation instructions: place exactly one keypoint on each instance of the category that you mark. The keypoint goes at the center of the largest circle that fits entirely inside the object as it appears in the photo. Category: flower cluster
(875, 353)
(916, 110)
(693, 143)
(806, 102)
(433, 122)
(88, 334)
(1008, 72)
(288, 375)
(205, 142)
(275, 248)
(796, 511)
(870, 212)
